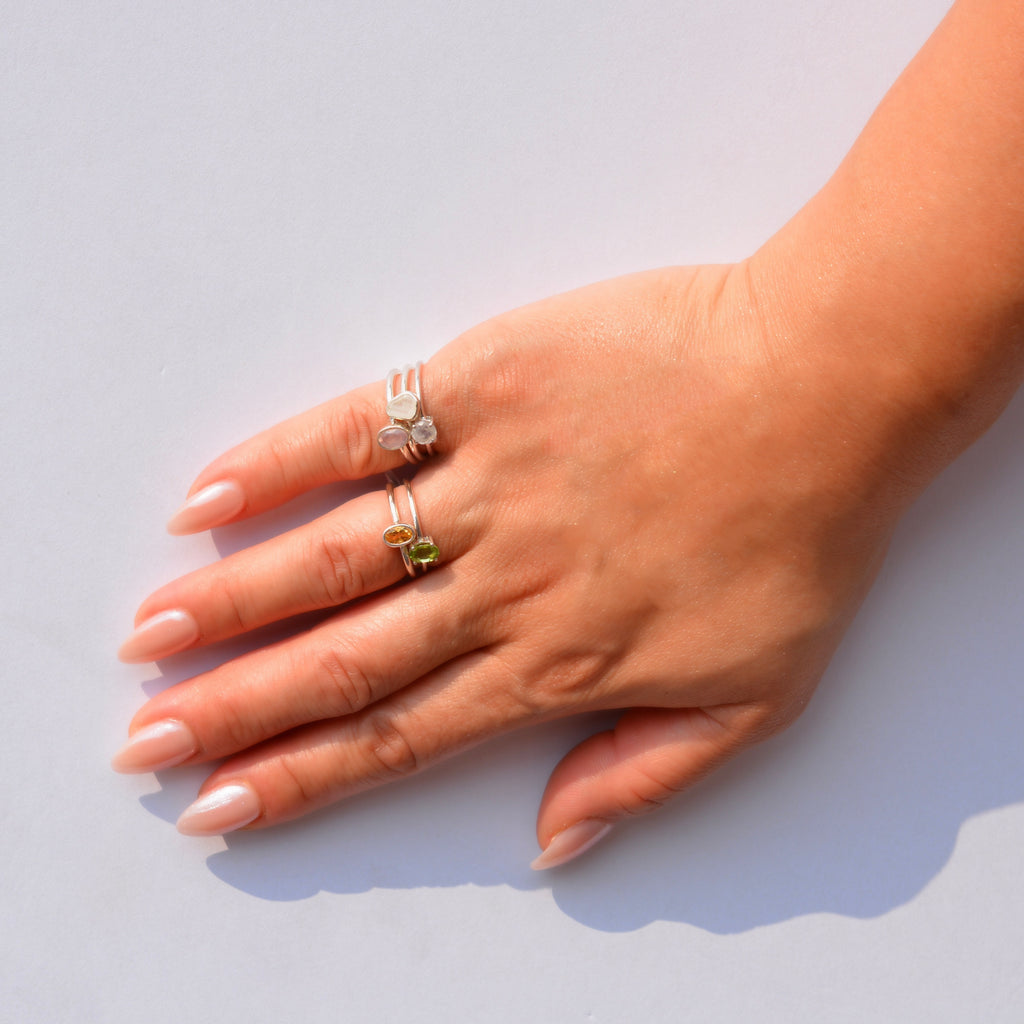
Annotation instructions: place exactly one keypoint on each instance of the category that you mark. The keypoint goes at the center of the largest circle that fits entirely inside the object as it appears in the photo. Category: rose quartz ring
(410, 431)
(419, 552)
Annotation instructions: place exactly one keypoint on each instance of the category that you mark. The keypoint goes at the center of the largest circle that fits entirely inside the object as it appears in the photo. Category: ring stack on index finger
(411, 430)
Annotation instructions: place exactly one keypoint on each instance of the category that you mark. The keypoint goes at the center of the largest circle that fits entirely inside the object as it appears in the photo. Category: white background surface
(216, 215)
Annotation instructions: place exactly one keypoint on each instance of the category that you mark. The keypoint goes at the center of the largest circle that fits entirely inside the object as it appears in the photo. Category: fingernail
(209, 507)
(160, 635)
(222, 810)
(571, 842)
(155, 747)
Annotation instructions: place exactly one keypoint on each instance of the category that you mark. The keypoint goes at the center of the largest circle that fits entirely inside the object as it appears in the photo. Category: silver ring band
(410, 430)
(419, 552)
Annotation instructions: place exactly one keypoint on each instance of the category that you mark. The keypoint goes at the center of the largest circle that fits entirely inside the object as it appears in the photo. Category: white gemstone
(403, 406)
(423, 431)
(392, 437)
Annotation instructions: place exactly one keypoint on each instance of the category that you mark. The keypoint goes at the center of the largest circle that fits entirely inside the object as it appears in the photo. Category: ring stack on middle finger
(419, 552)
(411, 430)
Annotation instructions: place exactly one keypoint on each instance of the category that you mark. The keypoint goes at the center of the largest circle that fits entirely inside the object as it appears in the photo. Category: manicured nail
(222, 810)
(207, 508)
(571, 842)
(160, 635)
(155, 747)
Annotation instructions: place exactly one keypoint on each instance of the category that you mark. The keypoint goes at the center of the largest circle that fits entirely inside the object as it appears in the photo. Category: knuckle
(335, 575)
(235, 605)
(549, 680)
(349, 441)
(492, 357)
(388, 749)
(299, 787)
(646, 796)
(278, 467)
(646, 790)
(517, 680)
(756, 722)
(504, 383)
(347, 688)
(236, 729)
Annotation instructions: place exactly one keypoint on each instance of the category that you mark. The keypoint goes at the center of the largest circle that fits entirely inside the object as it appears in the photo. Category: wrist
(906, 272)
(909, 389)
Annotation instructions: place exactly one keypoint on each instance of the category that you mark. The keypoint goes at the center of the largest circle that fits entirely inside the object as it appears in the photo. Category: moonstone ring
(411, 431)
(419, 552)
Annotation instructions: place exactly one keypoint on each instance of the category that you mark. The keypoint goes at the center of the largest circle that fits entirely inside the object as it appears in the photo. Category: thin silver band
(396, 516)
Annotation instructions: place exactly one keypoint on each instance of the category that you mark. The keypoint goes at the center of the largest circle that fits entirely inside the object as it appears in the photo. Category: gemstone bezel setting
(393, 437)
(398, 535)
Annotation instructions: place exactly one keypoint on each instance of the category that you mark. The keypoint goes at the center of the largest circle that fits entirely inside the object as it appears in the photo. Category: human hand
(665, 494)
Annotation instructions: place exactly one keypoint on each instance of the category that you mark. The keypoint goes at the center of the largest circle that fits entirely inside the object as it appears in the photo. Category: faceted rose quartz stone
(423, 431)
(403, 406)
(392, 437)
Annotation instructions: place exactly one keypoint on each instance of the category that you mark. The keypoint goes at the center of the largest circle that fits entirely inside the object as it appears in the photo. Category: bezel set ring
(410, 430)
(418, 550)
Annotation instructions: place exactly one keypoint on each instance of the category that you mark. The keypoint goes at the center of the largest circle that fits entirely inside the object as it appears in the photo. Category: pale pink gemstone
(392, 437)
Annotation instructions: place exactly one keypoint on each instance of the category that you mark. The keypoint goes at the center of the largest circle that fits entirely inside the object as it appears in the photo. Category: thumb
(648, 757)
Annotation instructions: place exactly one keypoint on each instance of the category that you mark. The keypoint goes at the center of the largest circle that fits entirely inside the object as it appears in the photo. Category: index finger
(333, 441)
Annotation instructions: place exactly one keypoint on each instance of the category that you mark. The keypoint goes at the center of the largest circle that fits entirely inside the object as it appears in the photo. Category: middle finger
(326, 563)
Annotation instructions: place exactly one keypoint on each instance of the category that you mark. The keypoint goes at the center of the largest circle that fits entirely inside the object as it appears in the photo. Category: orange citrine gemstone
(398, 535)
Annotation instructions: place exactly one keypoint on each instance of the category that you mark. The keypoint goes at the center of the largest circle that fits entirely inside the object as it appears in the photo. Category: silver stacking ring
(411, 431)
(419, 552)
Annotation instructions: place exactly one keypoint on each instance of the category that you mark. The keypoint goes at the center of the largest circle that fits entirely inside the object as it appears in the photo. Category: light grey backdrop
(217, 214)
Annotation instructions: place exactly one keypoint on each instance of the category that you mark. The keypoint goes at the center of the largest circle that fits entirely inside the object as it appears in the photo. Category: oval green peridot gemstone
(424, 552)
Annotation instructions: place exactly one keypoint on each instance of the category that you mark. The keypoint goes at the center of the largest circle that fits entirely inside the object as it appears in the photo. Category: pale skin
(666, 494)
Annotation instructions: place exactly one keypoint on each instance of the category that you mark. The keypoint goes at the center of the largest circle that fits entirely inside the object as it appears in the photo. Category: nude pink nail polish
(155, 747)
(571, 842)
(207, 508)
(160, 635)
(221, 810)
